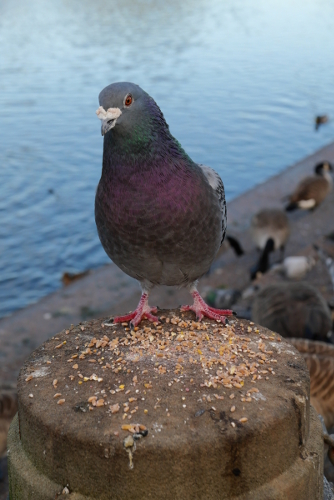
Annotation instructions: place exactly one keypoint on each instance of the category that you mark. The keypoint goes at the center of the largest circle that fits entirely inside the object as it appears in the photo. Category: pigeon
(161, 217)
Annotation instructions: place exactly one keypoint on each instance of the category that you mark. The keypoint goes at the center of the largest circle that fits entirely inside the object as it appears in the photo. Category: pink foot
(143, 311)
(201, 309)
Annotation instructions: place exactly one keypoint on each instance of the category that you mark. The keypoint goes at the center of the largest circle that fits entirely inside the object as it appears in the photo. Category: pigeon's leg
(143, 310)
(201, 309)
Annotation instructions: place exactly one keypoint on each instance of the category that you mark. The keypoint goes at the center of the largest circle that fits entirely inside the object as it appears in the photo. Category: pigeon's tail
(262, 265)
(291, 206)
(235, 245)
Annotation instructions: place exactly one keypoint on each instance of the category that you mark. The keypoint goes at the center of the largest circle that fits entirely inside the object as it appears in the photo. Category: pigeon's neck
(141, 149)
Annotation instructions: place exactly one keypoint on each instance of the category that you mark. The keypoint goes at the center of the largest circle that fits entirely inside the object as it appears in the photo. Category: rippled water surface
(239, 83)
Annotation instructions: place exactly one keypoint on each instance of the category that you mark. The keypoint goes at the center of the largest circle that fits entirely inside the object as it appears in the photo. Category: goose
(312, 190)
(293, 310)
(270, 231)
(319, 359)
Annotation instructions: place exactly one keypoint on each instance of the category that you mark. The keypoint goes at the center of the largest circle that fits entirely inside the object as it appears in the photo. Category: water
(239, 83)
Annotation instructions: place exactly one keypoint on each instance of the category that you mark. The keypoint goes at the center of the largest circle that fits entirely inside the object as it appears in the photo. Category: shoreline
(107, 290)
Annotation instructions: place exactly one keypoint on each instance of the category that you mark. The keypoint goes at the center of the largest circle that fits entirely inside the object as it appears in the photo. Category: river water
(239, 83)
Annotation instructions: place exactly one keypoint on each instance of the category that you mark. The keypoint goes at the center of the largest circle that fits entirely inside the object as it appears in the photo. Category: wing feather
(217, 185)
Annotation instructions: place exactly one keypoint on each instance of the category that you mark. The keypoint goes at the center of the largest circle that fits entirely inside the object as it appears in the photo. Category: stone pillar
(180, 410)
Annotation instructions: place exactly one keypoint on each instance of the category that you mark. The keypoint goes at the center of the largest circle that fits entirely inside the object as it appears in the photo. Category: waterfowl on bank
(319, 358)
(312, 190)
(270, 231)
(293, 310)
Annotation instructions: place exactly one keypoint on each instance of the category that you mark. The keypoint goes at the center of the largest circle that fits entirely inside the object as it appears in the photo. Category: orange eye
(128, 100)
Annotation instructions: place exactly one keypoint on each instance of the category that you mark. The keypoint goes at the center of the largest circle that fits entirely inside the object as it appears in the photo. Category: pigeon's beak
(108, 118)
(107, 125)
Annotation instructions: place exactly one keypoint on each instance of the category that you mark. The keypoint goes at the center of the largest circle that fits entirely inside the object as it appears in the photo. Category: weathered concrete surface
(226, 409)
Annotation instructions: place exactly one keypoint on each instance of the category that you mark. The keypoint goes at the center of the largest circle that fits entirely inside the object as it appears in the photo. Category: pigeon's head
(126, 106)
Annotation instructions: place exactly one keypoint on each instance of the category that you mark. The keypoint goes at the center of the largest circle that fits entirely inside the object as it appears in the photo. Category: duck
(270, 231)
(312, 190)
(319, 358)
(294, 309)
(320, 120)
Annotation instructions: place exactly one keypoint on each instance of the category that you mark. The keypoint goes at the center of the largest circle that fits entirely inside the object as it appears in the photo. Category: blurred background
(238, 82)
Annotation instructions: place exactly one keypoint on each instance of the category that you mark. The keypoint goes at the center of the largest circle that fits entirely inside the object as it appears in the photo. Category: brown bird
(270, 231)
(293, 310)
(311, 191)
(69, 278)
(320, 120)
(319, 358)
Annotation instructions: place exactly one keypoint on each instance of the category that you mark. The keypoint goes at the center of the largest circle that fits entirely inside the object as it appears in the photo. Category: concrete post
(181, 410)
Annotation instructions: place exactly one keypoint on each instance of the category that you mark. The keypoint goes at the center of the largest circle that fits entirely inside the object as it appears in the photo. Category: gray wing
(217, 185)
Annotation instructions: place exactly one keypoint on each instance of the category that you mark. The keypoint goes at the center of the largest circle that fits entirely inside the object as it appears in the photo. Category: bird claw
(200, 308)
(143, 311)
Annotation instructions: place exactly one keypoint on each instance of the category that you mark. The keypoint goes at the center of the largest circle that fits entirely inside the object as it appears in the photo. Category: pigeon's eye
(128, 100)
